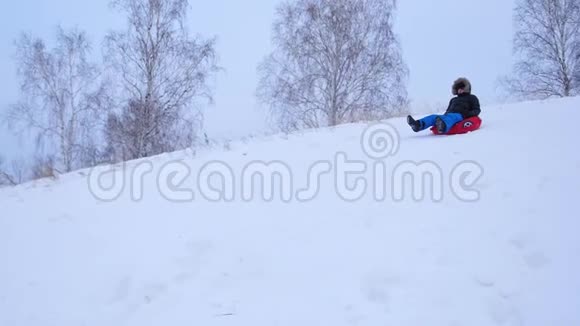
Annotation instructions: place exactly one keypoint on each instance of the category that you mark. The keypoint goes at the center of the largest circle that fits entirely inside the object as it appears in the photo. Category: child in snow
(464, 105)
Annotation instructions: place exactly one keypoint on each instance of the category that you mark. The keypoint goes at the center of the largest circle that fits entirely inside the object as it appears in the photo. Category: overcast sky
(441, 41)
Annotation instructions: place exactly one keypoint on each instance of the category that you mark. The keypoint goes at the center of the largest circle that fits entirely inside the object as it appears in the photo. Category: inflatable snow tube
(463, 127)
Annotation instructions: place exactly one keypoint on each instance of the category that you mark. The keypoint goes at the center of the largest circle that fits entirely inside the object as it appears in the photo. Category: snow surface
(509, 257)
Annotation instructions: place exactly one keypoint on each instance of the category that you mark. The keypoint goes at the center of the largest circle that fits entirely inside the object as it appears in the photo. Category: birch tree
(60, 96)
(163, 70)
(334, 61)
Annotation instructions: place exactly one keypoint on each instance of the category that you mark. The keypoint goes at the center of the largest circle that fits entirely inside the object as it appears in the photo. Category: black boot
(440, 125)
(415, 124)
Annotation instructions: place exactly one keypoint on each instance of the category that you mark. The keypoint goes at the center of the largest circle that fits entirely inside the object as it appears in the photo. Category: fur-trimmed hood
(457, 84)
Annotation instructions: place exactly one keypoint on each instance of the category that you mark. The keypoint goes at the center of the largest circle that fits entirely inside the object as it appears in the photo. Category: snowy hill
(489, 237)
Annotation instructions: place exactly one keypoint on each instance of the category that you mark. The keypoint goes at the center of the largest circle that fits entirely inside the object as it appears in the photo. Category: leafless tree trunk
(547, 42)
(60, 95)
(334, 61)
(163, 71)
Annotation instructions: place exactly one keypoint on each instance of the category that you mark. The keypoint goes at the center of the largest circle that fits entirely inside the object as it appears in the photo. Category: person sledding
(463, 106)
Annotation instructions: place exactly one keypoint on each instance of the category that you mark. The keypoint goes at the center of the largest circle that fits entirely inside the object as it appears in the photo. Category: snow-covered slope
(501, 249)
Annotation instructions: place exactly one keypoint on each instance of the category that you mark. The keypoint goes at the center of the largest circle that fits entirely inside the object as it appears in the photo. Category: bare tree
(43, 167)
(163, 71)
(18, 170)
(60, 95)
(547, 45)
(5, 178)
(13, 174)
(334, 61)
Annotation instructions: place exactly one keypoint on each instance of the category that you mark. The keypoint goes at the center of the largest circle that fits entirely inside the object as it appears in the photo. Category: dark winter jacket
(465, 104)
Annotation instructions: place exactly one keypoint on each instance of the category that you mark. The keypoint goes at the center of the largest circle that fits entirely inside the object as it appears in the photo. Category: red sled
(463, 127)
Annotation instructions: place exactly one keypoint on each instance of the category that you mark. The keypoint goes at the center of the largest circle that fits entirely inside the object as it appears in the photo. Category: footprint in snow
(533, 259)
(536, 260)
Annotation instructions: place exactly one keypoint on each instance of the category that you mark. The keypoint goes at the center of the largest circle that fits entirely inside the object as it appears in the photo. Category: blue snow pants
(450, 120)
